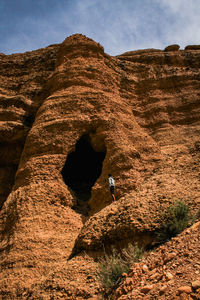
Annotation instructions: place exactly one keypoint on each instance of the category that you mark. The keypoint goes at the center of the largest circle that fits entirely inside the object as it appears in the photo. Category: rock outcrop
(71, 114)
(174, 47)
(192, 47)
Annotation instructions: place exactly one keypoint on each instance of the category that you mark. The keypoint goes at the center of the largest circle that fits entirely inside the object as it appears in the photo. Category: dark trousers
(112, 189)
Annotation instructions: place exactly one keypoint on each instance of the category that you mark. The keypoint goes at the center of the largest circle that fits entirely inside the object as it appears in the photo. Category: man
(111, 183)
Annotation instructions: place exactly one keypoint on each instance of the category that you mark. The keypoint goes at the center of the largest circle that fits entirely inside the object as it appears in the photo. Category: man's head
(109, 175)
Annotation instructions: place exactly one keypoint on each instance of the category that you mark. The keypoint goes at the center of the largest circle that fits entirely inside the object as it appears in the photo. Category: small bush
(177, 218)
(111, 267)
(132, 254)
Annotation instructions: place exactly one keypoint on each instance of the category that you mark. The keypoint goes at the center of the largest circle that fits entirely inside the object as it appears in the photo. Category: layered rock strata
(23, 78)
(138, 111)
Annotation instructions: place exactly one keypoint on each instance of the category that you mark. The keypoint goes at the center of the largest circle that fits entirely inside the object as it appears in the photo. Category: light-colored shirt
(111, 181)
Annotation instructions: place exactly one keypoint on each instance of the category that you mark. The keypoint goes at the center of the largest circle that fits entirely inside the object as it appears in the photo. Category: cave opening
(82, 168)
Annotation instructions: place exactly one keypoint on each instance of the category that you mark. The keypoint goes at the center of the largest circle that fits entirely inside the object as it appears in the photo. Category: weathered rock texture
(22, 88)
(136, 116)
(171, 272)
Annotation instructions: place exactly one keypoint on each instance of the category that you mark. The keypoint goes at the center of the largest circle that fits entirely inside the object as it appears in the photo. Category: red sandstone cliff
(136, 116)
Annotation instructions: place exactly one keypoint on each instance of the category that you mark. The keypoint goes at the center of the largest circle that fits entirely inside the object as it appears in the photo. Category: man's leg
(113, 197)
(112, 190)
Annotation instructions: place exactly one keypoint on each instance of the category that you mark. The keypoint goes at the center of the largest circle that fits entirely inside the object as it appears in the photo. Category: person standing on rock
(111, 183)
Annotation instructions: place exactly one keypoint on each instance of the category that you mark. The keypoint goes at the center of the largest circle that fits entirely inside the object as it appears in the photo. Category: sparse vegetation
(111, 267)
(177, 218)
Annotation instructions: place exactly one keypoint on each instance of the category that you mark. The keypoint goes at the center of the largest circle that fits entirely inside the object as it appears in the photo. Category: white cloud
(119, 25)
(180, 6)
(185, 28)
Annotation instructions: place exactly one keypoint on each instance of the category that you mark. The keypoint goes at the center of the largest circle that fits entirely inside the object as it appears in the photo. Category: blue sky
(118, 25)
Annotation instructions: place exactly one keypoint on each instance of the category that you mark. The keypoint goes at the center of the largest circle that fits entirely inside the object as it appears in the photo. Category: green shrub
(111, 267)
(177, 218)
(132, 254)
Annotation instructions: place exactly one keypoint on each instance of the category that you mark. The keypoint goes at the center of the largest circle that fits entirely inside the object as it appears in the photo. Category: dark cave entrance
(82, 168)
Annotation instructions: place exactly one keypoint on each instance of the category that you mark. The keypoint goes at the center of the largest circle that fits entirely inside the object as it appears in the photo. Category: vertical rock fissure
(81, 170)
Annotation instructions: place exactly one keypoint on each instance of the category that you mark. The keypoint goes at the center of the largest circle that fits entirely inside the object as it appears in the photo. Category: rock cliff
(69, 115)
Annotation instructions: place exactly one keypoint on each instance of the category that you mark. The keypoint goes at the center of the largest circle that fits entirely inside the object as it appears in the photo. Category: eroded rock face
(138, 111)
(23, 78)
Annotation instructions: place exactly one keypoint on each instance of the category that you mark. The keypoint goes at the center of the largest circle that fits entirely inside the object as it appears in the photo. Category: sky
(118, 25)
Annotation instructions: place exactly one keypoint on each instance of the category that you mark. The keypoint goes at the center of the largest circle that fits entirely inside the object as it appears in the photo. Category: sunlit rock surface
(69, 115)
